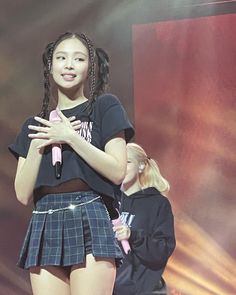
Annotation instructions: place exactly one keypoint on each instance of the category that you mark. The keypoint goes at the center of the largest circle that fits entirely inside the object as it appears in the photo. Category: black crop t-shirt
(108, 118)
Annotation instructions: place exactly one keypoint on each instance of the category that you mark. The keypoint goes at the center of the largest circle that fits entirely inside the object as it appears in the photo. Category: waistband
(70, 207)
(74, 185)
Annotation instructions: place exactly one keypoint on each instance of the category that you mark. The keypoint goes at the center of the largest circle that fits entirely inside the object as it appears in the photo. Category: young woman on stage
(70, 246)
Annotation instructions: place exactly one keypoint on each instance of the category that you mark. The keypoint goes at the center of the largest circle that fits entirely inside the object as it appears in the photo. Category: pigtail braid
(91, 73)
(103, 71)
(47, 62)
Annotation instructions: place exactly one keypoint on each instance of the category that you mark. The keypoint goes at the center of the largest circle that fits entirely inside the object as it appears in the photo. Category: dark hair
(98, 79)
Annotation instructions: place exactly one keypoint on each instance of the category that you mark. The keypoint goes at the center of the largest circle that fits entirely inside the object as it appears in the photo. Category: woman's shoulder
(107, 99)
(28, 121)
(156, 196)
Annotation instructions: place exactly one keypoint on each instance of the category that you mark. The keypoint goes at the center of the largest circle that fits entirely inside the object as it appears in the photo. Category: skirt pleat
(35, 237)
(65, 237)
(51, 242)
(25, 247)
(73, 238)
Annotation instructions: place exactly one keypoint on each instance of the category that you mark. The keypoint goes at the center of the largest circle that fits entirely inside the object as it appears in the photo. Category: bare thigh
(50, 280)
(95, 276)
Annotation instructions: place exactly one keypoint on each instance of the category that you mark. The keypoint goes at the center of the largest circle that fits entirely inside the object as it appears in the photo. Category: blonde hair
(150, 175)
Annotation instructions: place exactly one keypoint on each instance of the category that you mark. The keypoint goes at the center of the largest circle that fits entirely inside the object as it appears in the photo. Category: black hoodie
(152, 241)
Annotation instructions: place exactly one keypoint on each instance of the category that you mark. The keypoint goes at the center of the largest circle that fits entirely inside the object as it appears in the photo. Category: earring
(141, 168)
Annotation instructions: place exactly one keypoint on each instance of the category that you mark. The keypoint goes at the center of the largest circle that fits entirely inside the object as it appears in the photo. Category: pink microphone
(56, 148)
(124, 243)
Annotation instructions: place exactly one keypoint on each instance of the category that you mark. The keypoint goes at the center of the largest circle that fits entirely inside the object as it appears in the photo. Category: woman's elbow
(22, 196)
(119, 176)
(23, 200)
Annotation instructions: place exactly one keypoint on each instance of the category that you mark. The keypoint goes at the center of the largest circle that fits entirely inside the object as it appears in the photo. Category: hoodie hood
(138, 207)
(144, 193)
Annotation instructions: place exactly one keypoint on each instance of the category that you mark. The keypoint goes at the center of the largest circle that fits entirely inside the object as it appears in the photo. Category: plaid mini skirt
(65, 227)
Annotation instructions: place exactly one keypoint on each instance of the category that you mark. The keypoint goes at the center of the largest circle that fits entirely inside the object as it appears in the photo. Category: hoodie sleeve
(155, 248)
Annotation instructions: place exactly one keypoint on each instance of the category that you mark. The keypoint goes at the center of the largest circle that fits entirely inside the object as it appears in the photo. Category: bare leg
(96, 276)
(49, 280)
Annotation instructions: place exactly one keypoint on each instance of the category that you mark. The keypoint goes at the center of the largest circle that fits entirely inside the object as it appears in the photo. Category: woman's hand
(54, 131)
(123, 232)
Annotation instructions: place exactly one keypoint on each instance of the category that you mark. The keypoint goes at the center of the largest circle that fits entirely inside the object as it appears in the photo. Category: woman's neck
(70, 98)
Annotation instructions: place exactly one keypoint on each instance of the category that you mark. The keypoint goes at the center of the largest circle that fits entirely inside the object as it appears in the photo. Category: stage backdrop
(185, 114)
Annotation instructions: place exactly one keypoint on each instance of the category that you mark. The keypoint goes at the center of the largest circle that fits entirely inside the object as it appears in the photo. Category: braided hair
(98, 78)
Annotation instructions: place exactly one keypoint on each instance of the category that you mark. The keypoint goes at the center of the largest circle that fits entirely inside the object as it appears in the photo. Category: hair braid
(47, 62)
(91, 73)
(103, 71)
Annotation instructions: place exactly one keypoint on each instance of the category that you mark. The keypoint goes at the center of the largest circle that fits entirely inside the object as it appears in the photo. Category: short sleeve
(114, 118)
(22, 142)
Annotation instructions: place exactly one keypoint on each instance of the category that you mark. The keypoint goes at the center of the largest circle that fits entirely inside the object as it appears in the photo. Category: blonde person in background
(148, 225)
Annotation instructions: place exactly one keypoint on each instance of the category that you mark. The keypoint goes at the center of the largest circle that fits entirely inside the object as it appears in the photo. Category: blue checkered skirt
(65, 227)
